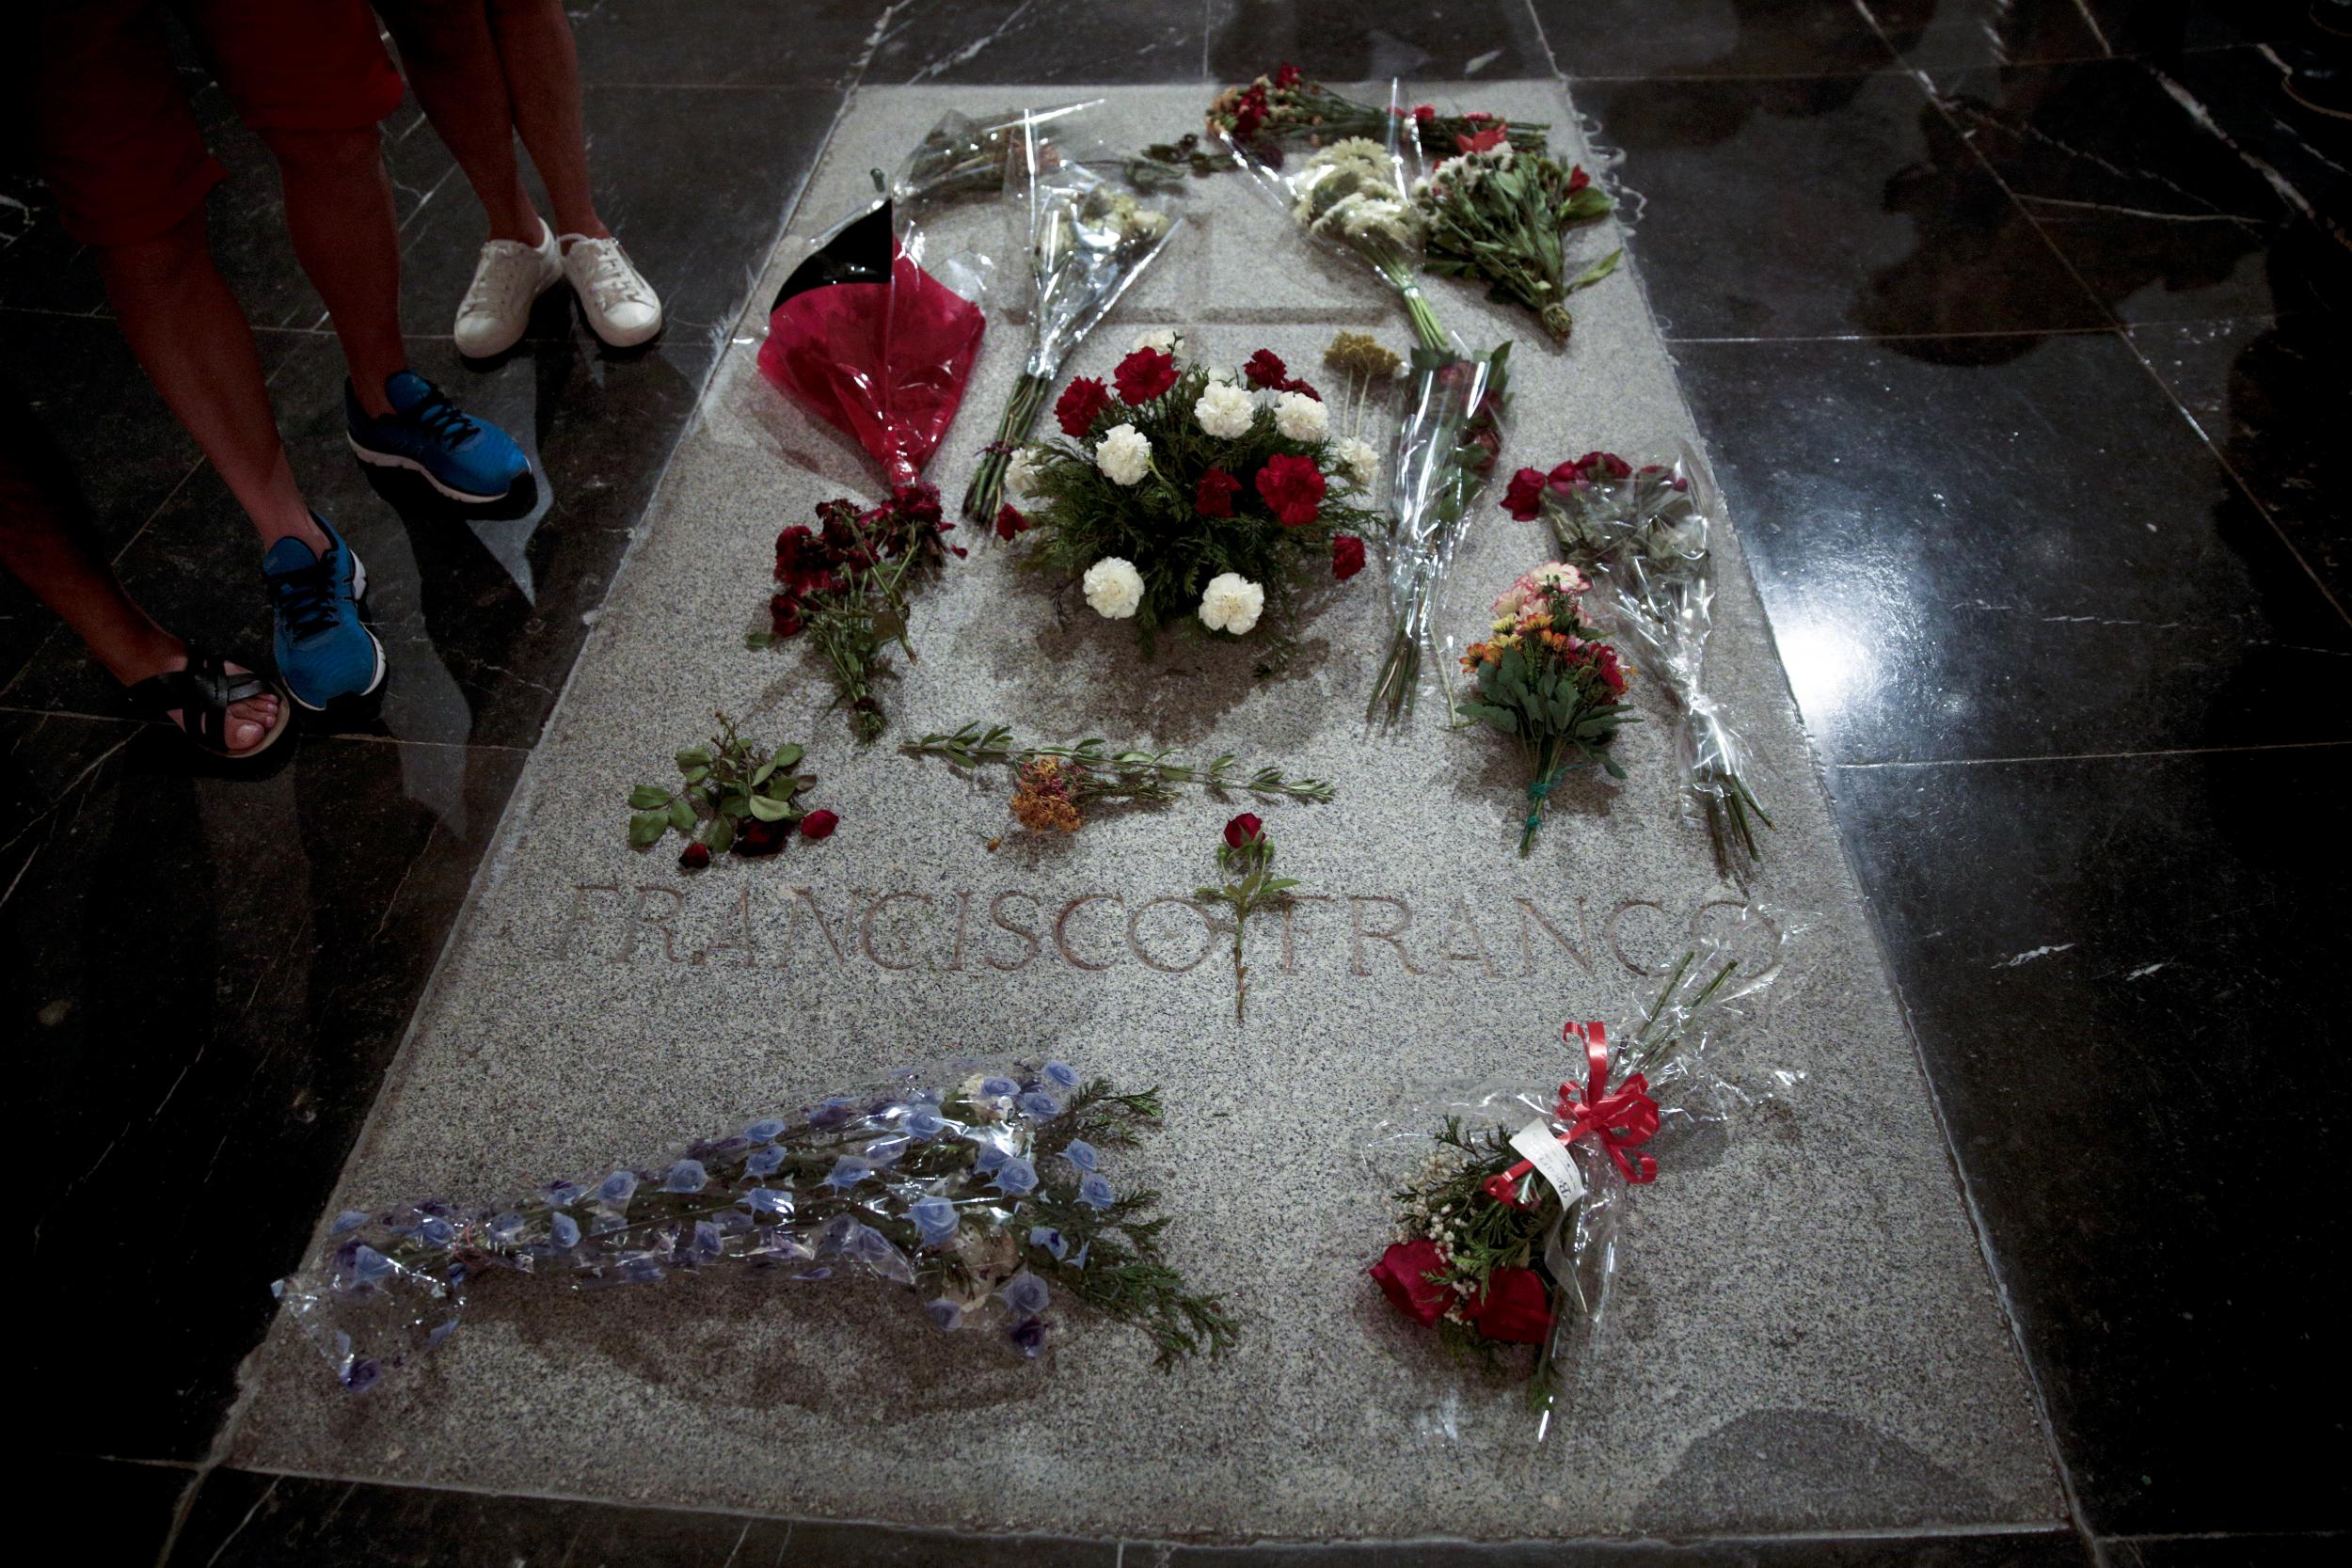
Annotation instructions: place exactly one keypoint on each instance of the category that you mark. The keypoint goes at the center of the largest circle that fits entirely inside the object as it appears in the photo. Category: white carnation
(1021, 475)
(1167, 340)
(1123, 454)
(1300, 417)
(1225, 410)
(1356, 461)
(1233, 603)
(1113, 588)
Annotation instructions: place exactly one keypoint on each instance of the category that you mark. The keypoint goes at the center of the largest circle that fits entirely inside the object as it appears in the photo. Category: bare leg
(188, 333)
(453, 63)
(541, 66)
(338, 213)
(40, 547)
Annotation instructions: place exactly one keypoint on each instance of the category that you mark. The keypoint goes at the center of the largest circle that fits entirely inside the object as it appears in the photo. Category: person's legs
(339, 214)
(40, 545)
(542, 69)
(452, 65)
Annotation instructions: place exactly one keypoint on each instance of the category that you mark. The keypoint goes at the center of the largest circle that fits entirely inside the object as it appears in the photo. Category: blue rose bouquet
(988, 1201)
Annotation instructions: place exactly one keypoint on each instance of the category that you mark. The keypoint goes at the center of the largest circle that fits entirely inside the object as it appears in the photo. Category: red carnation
(1578, 179)
(1606, 463)
(1347, 556)
(694, 856)
(1266, 368)
(1081, 401)
(1424, 113)
(1296, 385)
(1524, 496)
(1485, 141)
(783, 616)
(1144, 375)
(1245, 828)
(1292, 487)
(1286, 75)
(818, 824)
(1403, 1274)
(1009, 521)
(1251, 111)
(1214, 498)
(1515, 1307)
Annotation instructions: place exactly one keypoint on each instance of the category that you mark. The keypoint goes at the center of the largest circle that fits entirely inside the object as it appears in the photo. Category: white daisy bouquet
(1181, 495)
(1092, 231)
(989, 1200)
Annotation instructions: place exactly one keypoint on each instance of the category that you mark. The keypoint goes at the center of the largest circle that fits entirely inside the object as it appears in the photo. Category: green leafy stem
(1099, 773)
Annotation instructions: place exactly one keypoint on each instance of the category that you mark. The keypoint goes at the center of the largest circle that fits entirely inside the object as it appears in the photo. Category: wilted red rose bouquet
(1183, 494)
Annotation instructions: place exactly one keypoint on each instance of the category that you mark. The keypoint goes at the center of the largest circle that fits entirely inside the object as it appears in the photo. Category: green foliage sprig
(1248, 856)
(1094, 771)
(724, 784)
(1499, 216)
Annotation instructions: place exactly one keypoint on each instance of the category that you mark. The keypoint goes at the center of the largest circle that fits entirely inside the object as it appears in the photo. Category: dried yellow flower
(1361, 353)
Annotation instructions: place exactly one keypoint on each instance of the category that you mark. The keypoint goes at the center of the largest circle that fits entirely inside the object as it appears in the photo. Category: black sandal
(204, 692)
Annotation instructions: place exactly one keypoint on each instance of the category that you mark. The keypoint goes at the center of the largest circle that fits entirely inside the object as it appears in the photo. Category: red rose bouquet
(1507, 1230)
(1283, 108)
(1178, 496)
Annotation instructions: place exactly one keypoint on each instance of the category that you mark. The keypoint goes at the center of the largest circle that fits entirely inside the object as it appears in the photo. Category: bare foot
(250, 721)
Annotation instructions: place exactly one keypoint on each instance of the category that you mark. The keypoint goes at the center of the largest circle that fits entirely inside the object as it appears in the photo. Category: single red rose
(1606, 463)
(783, 616)
(755, 837)
(694, 856)
(1286, 75)
(1295, 385)
(1266, 368)
(1347, 556)
(1487, 440)
(1403, 1275)
(1245, 828)
(1144, 375)
(1578, 179)
(1214, 496)
(1292, 488)
(1424, 112)
(818, 824)
(1564, 477)
(803, 559)
(1082, 400)
(1515, 1307)
(1605, 664)
(1010, 521)
(1524, 496)
(1483, 141)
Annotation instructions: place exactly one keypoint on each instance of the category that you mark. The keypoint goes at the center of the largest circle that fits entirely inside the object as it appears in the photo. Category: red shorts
(118, 144)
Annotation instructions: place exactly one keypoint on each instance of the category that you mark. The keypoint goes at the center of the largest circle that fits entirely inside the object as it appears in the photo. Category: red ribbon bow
(1614, 1117)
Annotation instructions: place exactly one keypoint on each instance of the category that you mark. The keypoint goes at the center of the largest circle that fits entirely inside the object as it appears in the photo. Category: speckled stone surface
(1806, 1339)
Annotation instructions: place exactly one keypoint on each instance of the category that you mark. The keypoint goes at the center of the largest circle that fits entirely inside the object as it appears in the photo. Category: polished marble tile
(1711, 38)
(116, 1512)
(2272, 397)
(724, 42)
(1987, 32)
(2160, 210)
(2021, 1548)
(2225, 1551)
(696, 183)
(214, 964)
(480, 612)
(1349, 40)
(2024, 559)
(1820, 207)
(2116, 969)
(987, 43)
(2166, 27)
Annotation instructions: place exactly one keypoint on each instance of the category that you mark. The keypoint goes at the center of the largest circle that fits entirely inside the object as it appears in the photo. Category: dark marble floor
(2017, 326)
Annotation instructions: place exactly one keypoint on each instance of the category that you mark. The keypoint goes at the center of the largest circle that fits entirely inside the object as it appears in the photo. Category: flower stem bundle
(984, 1197)
(1647, 540)
(1283, 107)
(1057, 780)
(1246, 856)
(1546, 678)
(1092, 231)
(1497, 212)
(846, 584)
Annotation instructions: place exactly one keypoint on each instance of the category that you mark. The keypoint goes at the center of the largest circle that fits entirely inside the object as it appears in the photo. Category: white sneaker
(619, 303)
(496, 307)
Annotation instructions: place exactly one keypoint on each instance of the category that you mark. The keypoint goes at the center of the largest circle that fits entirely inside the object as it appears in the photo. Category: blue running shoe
(323, 653)
(462, 457)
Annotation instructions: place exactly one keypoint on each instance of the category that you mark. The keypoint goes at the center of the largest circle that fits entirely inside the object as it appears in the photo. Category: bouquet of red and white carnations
(1193, 497)
(1507, 1229)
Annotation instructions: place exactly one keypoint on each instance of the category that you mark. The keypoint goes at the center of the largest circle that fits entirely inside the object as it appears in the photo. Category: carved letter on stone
(641, 921)
(1698, 933)
(866, 926)
(1061, 926)
(577, 915)
(1135, 935)
(1616, 945)
(804, 901)
(1477, 953)
(1358, 933)
(997, 913)
(749, 945)
(1290, 911)
(963, 912)
(1529, 913)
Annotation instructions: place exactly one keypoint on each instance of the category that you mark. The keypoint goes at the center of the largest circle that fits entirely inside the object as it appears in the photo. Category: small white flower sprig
(1191, 496)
